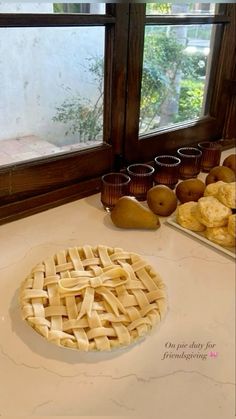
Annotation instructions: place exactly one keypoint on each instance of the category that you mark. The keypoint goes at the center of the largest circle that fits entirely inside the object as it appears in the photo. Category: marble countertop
(184, 369)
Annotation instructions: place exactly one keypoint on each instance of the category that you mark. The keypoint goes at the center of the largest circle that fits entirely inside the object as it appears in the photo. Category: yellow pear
(230, 162)
(223, 173)
(161, 200)
(129, 213)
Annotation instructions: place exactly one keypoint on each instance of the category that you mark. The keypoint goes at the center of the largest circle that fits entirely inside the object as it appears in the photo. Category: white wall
(39, 68)
(24, 7)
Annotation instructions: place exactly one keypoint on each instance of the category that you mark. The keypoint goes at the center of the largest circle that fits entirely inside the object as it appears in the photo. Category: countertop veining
(184, 368)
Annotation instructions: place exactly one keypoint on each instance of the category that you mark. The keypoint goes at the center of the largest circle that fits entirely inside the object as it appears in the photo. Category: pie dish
(93, 298)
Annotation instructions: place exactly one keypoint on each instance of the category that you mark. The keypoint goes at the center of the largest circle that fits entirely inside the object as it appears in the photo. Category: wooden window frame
(36, 185)
(32, 186)
(211, 126)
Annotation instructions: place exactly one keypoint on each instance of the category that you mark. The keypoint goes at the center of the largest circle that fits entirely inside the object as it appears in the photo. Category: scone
(211, 212)
(232, 225)
(220, 235)
(213, 188)
(186, 216)
(227, 194)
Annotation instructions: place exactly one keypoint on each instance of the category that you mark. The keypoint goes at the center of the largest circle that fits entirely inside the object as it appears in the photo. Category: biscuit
(232, 225)
(186, 216)
(211, 212)
(220, 235)
(213, 188)
(227, 194)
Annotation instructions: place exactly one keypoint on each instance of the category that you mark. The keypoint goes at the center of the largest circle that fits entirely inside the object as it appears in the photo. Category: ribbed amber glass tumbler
(211, 154)
(190, 162)
(141, 180)
(167, 170)
(113, 186)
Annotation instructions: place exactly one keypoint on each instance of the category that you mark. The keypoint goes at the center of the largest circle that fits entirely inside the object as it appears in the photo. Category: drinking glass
(211, 153)
(167, 170)
(113, 186)
(190, 162)
(141, 180)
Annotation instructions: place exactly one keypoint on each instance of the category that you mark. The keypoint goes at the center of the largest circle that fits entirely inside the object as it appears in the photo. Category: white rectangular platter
(226, 250)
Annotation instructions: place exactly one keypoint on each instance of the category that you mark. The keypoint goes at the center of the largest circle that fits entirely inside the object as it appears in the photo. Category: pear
(190, 190)
(230, 162)
(161, 200)
(223, 173)
(129, 213)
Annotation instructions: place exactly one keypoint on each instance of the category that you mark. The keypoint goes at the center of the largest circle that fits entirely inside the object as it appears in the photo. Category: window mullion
(185, 20)
(50, 20)
(119, 33)
(135, 62)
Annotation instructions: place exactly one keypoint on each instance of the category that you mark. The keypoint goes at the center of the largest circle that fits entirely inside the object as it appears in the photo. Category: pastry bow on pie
(100, 284)
(90, 298)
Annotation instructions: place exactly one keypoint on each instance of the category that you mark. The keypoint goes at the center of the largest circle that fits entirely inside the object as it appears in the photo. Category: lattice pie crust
(90, 298)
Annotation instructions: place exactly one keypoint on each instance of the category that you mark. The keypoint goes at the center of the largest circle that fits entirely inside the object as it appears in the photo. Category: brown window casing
(223, 72)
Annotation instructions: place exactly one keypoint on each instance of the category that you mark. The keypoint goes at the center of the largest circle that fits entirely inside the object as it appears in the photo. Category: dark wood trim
(169, 139)
(40, 176)
(22, 208)
(210, 127)
(229, 132)
(110, 9)
(119, 80)
(185, 20)
(230, 85)
(213, 58)
(225, 69)
(135, 62)
(108, 75)
(55, 157)
(230, 121)
(189, 134)
(31, 186)
(53, 19)
(108, 60)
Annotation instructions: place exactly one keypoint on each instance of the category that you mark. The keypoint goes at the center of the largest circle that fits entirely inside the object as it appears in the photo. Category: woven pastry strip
(93, 298)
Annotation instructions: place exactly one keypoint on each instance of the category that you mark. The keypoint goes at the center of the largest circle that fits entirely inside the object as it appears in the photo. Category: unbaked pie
(93, 298)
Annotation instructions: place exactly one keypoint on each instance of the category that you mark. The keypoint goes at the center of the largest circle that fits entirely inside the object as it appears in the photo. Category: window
(176, 65)
(169, 77)
(92, 88)
(51, 84)
(51, 90)
(174, 77)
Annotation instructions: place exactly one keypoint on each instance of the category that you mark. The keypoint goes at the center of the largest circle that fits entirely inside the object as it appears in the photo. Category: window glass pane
(51, 83)
(51, 7)
(180, 8)
(175, 74)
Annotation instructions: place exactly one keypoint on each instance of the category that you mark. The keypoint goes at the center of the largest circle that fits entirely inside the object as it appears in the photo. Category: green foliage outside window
(162, 59)
(67, 8)
(162, 63)
(158, 8)
(190, 100)
(82, 115)
(170, 77)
